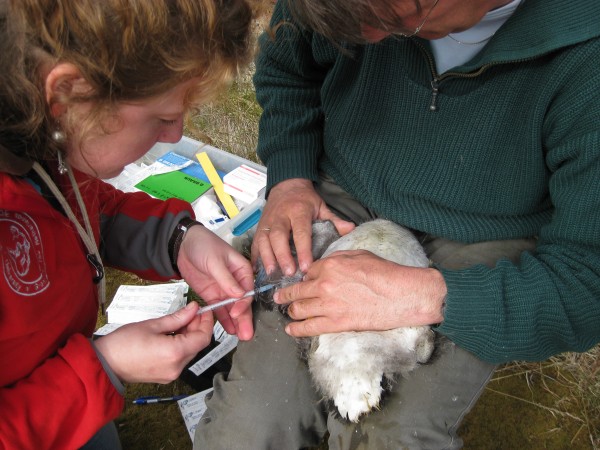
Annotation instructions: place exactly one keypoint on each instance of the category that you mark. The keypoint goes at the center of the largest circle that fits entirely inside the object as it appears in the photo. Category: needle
(228, 301)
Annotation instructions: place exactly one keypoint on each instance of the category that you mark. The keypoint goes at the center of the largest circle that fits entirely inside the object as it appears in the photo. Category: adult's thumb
(342, 226)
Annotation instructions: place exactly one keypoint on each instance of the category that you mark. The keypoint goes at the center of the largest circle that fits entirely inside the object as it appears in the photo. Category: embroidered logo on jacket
(22, 254)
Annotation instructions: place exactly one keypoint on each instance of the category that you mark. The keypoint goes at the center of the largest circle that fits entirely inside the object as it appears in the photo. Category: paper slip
(129, 177)
(175, 185)
(245, 183)
(160, 167)
(192, 408)
(136, 303)
(108, 328)
(185, 165)
(219, 332)
(228, 344)
(133, 174)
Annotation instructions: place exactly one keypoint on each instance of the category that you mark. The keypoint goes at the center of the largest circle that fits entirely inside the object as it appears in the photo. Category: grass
(554, 404)
(231, 123)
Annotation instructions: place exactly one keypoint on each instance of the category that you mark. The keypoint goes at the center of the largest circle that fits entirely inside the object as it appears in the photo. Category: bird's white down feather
(352, 369)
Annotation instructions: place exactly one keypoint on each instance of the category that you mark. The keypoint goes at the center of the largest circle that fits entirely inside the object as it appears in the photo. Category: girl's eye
(168, 122)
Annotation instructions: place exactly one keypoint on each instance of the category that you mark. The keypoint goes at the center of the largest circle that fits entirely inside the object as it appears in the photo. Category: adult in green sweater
(477, 125)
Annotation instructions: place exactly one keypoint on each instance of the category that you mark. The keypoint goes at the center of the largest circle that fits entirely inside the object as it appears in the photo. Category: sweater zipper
(435, 90)
(437, 79)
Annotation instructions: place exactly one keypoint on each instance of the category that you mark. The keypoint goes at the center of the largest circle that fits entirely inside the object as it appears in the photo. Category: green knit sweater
(512, 151)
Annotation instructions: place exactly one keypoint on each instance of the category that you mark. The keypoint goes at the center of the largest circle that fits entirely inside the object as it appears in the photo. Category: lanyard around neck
(87, 235)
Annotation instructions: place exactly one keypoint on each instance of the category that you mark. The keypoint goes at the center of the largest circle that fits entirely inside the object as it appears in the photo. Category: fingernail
(287, 329)
(276, 297)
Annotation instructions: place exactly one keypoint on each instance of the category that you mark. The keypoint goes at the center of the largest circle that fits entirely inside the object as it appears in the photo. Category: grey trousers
(268, 402)
(107, 438)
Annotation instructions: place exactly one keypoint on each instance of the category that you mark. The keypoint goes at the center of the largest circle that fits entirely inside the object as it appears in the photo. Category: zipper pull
(435, 90)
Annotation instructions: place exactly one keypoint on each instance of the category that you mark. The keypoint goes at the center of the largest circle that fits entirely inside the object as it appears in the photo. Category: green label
(174, 185)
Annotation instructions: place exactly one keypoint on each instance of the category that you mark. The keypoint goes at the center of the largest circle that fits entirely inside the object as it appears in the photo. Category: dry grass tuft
(231, 123)
(572, 382)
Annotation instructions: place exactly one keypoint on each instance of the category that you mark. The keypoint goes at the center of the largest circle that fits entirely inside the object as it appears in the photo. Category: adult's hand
(216, 271)
(291, 208)
(148, 352)
(358, 291)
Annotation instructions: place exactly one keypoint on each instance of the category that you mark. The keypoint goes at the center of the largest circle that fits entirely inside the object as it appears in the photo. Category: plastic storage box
(243, 224)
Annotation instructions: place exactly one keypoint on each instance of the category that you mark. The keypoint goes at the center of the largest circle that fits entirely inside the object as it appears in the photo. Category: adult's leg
(267, 401)
(424, 409)
(342, 203)
(107, 438)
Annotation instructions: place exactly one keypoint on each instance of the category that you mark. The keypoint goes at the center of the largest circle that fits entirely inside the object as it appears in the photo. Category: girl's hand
(149, 352)
(216, 271)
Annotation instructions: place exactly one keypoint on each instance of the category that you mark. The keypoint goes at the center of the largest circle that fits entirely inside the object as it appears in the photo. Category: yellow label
(217, 183)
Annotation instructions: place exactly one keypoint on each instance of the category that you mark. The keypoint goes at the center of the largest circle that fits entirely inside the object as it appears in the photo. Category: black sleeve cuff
(177, 237)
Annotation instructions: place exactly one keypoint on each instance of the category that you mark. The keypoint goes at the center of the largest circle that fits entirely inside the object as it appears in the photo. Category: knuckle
(303, 233)
(297, 209)
(328, 263)
(294, 291)
(310, 327)
(327, 286)
(293, 310)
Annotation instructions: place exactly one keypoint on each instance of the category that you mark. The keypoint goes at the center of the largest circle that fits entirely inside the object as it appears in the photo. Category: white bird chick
(352, 369)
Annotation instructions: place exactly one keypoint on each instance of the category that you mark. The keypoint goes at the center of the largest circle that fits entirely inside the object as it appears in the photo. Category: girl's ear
(62, 82)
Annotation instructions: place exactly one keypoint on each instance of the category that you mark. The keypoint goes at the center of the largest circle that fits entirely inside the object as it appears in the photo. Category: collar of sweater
(539, 27)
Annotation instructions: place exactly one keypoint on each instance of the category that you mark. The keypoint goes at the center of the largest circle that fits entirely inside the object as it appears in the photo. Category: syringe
(228, 301)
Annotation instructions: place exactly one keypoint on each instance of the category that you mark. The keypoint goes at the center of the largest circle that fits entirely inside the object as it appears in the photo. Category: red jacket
(54, 392)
